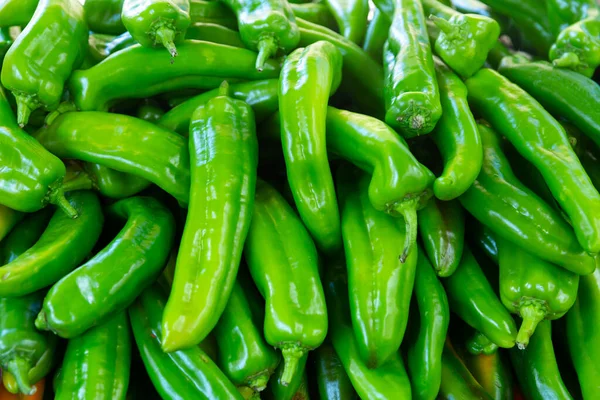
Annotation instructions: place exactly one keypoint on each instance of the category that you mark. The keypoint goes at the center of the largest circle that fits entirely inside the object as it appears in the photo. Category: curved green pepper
(379, 284)
(62, 246)
(425, 353)
(282, 258)
(183, 374)
(116, 275)
(411, 90)
(493, 373)
(351, 17)
(104, 16)
(377, 34)
(308, 77)
(154, 23)
(212, 32)
(540, 139)
(16, 12)
(442, 228)
(213, 12)
(96, 363)
(536, 367)
(131, 73)
(317, 13)
(109, 182)
(280, 390)
(562, 13)
(224, 157)
(122, 143)
(457, 380)
(41, 59)
(332, 381)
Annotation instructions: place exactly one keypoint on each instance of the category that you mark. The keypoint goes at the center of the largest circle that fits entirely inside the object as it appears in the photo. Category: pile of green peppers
(297, 199)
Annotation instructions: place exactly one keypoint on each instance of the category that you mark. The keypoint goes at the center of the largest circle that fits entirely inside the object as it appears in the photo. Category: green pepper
(536, 367)
(351, 17)
(583, 334)
(379, 284)
(154, 23)
(442, 228)
(587, 151)
(540, 139)
(456, 136)
(213, 12)
(183, 374)
(479, 344)
(261, 95)
(114, 184)
(493, 373)
(112, 279)
(562, 13)
(62, 246)
(6, 41)
(308, 77)
(150, 111)
(8, 219)
(104, 16)
(96, 364)
(411, 90)
(390, 380)
(425, 351)
(16, 12)
(377, 34)
(41, 59)
(266, 26)
(224, 157)
(282, 258)
(280, 390)
(533, 288)
(212, 32)
(244, 356)
(477, 7)
(332, 381)
(578, 46)
(465, 39)
(122, 143)
(317, 13)
(131, 73)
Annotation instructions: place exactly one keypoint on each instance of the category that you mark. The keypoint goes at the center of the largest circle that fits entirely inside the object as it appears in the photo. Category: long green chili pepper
(115, 276)
(212, 32)
(125, 144)
(411, 91)
(41, 59)
(96, 364)
(374, 271)
(223, 157)
(377, 34)
(157, 22)
(104, 16)
(456, 136)
(331, 378)
(131, 73)
(540, 139)
(183, 374)
(351, 17)
(562, 13)
(16, 12)
(280, 390)
(390, 380)
(442, 229)
(425, 353)
(308, 77)
(317, 13)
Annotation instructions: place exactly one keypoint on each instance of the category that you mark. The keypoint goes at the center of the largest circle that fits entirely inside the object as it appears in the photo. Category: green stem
(480, 344)
(57, 197)
(408, 209)
(443, 24)
(259, 382)
(247, 393)
(267, 47)
(166, 36)
(41, 322)
(291, 355)
(81, 181)
(567, 60)
(67, 106)
(224, 89)
(23, 110)
(532, 314)
(19, 367)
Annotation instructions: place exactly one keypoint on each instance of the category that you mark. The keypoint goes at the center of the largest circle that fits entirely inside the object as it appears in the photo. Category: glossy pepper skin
(266, 26)
(389, 381)
(112, 183)
(425, 353)
(536, 367)
(104, 16)
(351, 17)
(442, 229)
(583, 333)
(456, 136)
(63, 245)
(317, 13)
(411, 90)
(157, 22)
(16, 12)
(332, 381)
(540, 139)
(96, 364)
(295, 321)
(493, 373)
(562, 13)
(244, 355)
(8, 219)
(131, 73)
(377, 34)
(472, 298)
(182, 374)
(533, 288)
(223, 157)
(115, 276)
(38, 64)
(212, 32)
(115, 141)
(308, 77)
(379, 284)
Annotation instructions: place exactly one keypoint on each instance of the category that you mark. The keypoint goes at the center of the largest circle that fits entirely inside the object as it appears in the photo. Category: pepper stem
(81, 181)
(291, 355)
(532, 314)
(259, 382)
(166, 36)
(247, 393)
(408, 209)
(67, 106)
(41, 322)
(480, 344)
(23, 110)
(19, 367)
(443, 24)
(567, 60)
(224, 89)
(57, 197)
(267, 47)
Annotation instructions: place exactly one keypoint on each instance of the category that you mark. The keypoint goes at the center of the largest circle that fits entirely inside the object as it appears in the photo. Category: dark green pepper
(377, 34)
(6, 41)
(96, 364)
(308, 77)
(587, 151)
(40, 61)
(16, 12)
(150, 111)
(213, 12)
(332, 381)
(182, 374)
(540, 139)
(224, 157)
(104, 16)
(8, 219)
(317, 13)
(351, 17)
(212, 32)
(115, 276)
(493, 373)
(157, 22)
(562, 13)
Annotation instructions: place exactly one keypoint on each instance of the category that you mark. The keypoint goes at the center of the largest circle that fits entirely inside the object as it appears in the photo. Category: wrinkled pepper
(377, 34)
(16, 12)
(104, 16)
(351, 17)
(331, 378)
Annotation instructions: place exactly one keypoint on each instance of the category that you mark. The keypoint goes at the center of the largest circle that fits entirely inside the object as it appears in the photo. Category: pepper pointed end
(19, 368)
(291, 355)
(41, 322)
(532, 314)
(166, 36)
(267, 48)
(408, 209)
(224, 89)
